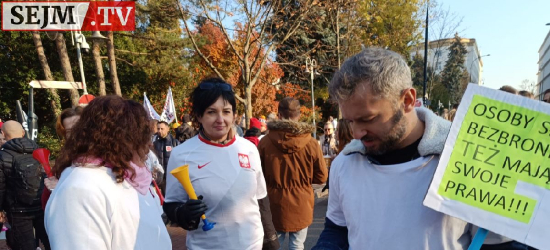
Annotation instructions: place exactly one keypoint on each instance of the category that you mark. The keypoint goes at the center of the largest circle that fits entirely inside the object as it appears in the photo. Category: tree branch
(131, 52)
(194, 42)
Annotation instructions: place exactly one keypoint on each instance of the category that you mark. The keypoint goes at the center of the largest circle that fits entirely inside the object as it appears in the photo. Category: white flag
(149, 108)
(169, 112)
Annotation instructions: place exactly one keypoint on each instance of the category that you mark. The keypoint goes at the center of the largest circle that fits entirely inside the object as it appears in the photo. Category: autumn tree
(334, 30)
(217, 49)
(156, 56)
(253, 16)
(391, 24)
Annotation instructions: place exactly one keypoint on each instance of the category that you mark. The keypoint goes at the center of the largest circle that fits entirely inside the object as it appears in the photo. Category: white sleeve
(77, 218)
(256, 163)
(174, 189)
(334, 210)
(153, 163)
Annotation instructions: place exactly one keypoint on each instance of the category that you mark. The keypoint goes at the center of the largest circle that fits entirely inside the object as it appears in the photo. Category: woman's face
(68, 124)
(217, 120)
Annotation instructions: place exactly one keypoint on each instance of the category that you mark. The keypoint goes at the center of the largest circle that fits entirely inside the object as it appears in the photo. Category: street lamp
(311, 64)
(472, 64)
(81, 44)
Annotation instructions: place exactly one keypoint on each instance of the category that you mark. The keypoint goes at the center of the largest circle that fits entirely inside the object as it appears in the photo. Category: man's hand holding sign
(494, 171)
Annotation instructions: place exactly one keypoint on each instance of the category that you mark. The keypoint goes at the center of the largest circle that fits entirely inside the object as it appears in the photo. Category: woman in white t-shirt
(224, 169)
(102, 200)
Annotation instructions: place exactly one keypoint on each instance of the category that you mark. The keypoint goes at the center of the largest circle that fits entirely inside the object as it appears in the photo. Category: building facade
(543, 82)
(438, 53)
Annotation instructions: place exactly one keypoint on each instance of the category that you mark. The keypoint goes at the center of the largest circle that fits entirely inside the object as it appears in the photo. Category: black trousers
(24, 225)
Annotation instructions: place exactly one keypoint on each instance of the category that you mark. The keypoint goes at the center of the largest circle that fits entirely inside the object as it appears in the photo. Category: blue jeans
(296, 239)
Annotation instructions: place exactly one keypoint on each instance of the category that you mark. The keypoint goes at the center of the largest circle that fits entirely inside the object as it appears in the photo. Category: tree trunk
(66, 66)
(55, 103)
(338, 47)
(112, 63)
(248, 105)
(99, 68)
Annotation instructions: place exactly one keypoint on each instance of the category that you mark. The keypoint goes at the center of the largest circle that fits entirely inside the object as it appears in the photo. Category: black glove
(189, 214)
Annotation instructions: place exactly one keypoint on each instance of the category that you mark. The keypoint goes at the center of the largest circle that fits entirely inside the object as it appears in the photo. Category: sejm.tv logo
(65, 16)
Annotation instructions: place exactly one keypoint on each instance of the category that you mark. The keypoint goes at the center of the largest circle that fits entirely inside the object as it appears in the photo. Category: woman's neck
(222, 141)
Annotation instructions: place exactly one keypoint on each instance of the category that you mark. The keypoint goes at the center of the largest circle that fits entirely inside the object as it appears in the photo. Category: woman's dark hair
(253, 132)
(67, 113)
(112, 129)
(207, 93)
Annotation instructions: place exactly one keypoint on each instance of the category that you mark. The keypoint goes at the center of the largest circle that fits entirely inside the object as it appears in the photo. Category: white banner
(149, 108)
(169, 112)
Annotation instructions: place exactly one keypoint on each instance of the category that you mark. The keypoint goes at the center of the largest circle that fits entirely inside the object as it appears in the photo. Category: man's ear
(409, 99)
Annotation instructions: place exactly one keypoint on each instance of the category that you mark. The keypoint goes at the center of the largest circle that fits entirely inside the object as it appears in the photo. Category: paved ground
(178, 235)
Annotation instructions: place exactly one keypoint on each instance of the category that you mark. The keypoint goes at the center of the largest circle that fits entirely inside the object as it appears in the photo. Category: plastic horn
(182, 174)
(42, 155)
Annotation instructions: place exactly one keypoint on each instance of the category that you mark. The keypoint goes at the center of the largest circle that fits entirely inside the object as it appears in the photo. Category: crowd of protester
(255, 182)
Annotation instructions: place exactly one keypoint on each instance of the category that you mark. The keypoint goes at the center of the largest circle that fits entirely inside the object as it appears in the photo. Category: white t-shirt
(381, 205)
(231, 181)
(89, 210)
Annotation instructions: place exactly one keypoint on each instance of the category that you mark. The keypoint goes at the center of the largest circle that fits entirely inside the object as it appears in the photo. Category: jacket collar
(433, 140)
(289, 126)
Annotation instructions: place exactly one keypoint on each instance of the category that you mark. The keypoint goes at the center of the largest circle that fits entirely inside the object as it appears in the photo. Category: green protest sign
(495, 168)
(494, 149)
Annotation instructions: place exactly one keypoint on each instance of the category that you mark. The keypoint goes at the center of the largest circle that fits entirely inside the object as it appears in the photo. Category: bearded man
(378, 182)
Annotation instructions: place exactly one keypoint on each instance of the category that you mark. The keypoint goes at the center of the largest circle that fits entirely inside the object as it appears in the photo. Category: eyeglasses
(210, 85)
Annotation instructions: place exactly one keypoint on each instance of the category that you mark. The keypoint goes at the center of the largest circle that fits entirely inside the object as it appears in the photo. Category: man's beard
(392, 136)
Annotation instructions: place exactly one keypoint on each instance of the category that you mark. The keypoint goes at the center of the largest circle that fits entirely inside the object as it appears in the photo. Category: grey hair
(384, 70)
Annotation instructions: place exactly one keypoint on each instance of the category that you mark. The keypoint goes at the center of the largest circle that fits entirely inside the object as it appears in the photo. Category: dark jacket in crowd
(8, 201)
(163, 148)
(253, 135)
(185, 132)
(291, 161)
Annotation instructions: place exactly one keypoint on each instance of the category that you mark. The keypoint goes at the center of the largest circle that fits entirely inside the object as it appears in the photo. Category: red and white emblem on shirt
(243, 160)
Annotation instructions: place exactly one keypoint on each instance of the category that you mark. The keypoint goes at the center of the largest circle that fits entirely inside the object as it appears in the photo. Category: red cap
(255, 123)
(85, 99)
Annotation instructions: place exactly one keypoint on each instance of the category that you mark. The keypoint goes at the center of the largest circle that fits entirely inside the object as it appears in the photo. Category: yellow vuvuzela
(182, 174)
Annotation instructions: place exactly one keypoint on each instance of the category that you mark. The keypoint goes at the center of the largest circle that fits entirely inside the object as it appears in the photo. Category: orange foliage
(218, 50)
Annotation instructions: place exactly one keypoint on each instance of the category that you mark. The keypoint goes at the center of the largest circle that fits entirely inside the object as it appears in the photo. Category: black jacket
(7, 199)
(163, 149)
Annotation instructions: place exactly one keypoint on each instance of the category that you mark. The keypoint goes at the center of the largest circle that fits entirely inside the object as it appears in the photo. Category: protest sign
(495, 169)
